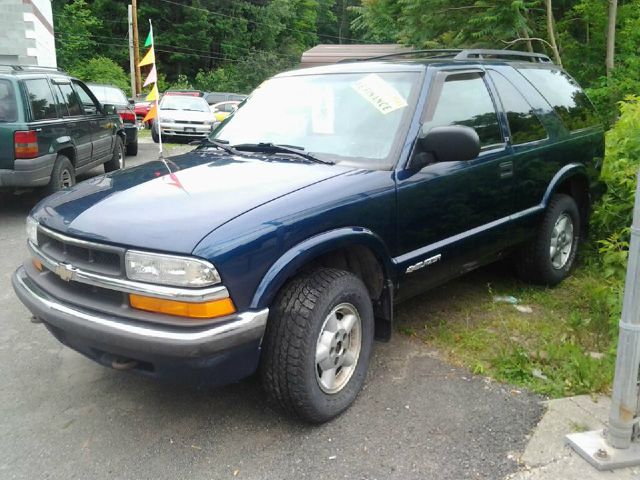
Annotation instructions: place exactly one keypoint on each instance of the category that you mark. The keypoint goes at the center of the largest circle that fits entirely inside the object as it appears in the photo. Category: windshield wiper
(222, 145)
(268, 147)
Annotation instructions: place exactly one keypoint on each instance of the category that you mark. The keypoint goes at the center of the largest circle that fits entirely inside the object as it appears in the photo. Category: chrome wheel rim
(561, 241)
(66, 180)
(338, 348)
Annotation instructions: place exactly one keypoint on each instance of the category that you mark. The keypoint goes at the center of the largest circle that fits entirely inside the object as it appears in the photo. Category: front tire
(117, 161)
(318, 344)
(548, 258)
(132, 148)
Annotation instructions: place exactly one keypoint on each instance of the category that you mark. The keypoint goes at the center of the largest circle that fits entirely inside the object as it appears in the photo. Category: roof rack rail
(484, 54)
(31, 67)
(463, 54)
(424, 53)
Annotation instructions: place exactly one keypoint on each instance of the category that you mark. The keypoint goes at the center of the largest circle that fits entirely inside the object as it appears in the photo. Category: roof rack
(465, 54)
(36, 68)
(425, 53)
(484, 54)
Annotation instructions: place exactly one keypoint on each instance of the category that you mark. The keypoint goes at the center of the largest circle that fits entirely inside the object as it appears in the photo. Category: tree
(75, 41)
(551, 32)
(101, 70)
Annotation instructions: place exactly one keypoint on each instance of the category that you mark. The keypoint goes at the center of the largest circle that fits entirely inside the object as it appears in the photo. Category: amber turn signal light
(213, 309)
(37, 264)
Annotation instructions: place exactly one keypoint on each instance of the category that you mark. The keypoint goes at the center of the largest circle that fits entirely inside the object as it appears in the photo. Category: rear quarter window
(8, 102)
(41, 99)
(565, 96)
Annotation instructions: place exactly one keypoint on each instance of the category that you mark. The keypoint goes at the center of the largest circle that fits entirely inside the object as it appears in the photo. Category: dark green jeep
(52, 128)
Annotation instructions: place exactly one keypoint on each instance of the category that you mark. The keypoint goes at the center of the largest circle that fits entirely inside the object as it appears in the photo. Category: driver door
(449, 213)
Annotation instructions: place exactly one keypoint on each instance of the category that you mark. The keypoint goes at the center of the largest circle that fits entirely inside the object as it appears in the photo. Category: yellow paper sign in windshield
(379, 93)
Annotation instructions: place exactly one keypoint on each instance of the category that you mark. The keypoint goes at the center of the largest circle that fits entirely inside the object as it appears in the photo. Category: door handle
(505, 169)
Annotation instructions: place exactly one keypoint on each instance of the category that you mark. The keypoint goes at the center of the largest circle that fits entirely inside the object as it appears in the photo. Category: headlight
(166, 119)
(32, 230)
(170, 270)
(209, 122)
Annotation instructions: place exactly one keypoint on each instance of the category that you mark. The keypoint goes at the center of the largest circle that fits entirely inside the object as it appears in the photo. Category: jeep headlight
(32, 230)
(170, 270)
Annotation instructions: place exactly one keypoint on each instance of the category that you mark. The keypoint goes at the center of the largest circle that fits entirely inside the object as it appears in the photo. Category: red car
(142, 107)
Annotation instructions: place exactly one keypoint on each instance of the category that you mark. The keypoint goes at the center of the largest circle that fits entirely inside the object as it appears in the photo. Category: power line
(256, 22)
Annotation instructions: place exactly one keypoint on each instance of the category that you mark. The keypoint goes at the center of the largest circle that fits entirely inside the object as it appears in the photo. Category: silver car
(183, 116)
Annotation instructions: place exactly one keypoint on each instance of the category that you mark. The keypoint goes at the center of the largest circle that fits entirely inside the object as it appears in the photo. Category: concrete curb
(547, 457)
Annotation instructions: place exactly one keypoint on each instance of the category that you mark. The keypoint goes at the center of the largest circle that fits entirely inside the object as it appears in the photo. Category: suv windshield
(353, 118)
(181, 102)
(109, 95)
(8, 105)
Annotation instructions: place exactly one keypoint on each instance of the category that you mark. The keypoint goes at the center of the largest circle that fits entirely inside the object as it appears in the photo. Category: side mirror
(447, 144)
(109, 109)
(132, 101)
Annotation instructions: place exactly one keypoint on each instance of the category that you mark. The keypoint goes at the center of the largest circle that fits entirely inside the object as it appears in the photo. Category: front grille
(89, 256)
(188, 122)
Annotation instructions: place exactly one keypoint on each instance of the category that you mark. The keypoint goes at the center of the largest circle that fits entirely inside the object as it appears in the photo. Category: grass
(565, 346)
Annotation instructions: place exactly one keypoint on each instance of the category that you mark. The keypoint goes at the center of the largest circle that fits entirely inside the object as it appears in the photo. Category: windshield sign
(344, 118)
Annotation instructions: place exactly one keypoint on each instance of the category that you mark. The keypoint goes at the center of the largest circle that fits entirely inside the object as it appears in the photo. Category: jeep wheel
(318, 344)
(549, 257)
(132, 149)
(117, 161)
(63, 175)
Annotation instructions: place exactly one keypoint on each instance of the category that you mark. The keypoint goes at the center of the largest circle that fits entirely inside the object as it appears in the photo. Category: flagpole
(157, 102)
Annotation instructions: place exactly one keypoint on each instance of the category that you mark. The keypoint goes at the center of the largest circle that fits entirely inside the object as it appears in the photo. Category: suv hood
(171, 205)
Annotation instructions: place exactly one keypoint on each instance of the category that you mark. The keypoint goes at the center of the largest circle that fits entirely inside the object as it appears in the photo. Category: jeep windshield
(348, 118)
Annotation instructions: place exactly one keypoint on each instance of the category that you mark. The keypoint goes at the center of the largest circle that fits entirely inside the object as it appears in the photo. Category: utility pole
(132, 60)
(136, 49)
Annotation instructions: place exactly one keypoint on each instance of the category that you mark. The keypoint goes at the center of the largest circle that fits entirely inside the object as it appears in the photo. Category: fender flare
(294, 258)
(569, 170)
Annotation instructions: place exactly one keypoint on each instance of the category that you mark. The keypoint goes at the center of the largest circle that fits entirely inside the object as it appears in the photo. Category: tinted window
(71, 100)
(8, 105)
(523, 122)
(564, 95)
(41, 99)
(465, 100)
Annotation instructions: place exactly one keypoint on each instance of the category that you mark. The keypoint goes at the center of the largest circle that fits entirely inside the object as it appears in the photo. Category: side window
(465, 100)
(88, 105)
(565, 96)
(41, 99)
(523, 122)
(70, 98)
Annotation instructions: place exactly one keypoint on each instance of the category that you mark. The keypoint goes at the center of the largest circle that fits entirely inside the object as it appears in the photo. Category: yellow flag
(153, 94)
(153, 113)
(148, 59)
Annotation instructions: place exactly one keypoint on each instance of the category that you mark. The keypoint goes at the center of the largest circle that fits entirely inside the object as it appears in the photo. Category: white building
(26, 33)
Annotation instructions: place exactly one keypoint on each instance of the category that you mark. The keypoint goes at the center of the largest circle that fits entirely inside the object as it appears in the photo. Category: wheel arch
(354, 249)
(572, 180)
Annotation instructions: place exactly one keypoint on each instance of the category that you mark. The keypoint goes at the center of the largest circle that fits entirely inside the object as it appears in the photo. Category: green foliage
(181, 83)
(75, 42)
(612, 216)
(102, 70)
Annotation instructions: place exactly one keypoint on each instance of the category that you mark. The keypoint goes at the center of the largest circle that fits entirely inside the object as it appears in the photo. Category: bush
(613, 214)
(102, 70)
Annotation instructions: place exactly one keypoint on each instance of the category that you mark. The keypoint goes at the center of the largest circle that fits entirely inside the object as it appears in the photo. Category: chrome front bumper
(122, 334)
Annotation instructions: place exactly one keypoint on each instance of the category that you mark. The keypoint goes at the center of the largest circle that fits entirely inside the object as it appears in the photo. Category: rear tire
(63, 175)
(318, 344)
(132, 149)
(548, 258)
(117, 161)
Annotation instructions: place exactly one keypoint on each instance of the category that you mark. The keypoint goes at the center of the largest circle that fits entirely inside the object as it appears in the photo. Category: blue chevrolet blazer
(283, 241)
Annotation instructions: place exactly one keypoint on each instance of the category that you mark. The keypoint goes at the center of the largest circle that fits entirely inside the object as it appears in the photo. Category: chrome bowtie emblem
(64, 271)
